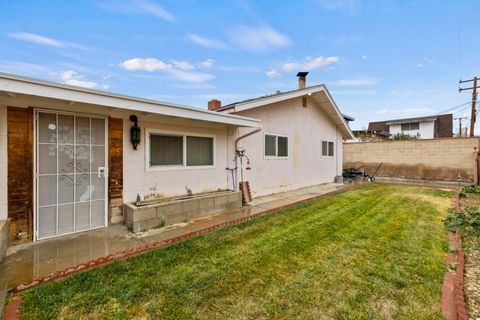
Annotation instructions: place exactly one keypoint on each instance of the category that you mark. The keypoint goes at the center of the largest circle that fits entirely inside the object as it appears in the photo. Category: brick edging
(454, 306)
(16, 300)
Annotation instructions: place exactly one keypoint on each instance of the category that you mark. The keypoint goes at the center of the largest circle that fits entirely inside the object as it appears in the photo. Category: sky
(379, 59)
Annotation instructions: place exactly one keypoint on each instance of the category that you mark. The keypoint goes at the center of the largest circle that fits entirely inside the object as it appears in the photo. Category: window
(180, 150)
(276, 146)
(166, 150)
(410, 126)
(327, 149)
(199, 151)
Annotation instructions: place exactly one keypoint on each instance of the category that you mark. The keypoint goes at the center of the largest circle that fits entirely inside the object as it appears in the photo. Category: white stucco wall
(305, 166)
(425, 129)
(138, 179)
(3, 164)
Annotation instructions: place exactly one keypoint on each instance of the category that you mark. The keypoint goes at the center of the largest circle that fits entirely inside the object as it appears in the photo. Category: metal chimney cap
(302, 74)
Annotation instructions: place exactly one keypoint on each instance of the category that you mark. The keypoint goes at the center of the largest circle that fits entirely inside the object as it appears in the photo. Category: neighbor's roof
(383, 125)
(329, 106)
(14, 84)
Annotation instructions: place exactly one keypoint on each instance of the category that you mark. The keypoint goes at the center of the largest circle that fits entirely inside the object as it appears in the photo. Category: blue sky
(380, 59)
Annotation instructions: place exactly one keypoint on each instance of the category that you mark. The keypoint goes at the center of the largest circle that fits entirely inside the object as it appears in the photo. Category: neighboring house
(430, 127)
(300, 142)
(369, 136)
(67, 163)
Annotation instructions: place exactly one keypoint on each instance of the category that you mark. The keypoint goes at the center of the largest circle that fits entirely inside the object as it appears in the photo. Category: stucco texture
(448, 159)
(138, 179)
(305, 165)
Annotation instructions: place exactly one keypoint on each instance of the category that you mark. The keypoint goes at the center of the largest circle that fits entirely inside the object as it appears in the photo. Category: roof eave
(28, 86)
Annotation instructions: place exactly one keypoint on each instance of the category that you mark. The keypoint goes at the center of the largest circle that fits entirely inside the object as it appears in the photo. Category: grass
(374, 252)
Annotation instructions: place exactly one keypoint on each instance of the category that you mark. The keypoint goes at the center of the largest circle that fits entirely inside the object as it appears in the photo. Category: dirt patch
(472, 279)
(472, 263)
(385, 308)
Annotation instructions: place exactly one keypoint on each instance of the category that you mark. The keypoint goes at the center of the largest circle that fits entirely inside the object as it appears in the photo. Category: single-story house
(300, 142)
(70, 160)
(430, 127)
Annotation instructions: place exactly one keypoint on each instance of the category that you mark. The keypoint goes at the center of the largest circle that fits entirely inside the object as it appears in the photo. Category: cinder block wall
(449, 159)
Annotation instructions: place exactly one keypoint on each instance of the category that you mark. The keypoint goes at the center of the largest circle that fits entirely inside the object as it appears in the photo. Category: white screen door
(71, 172)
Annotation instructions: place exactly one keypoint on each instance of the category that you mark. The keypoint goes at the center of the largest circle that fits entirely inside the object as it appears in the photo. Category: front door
(71, 173)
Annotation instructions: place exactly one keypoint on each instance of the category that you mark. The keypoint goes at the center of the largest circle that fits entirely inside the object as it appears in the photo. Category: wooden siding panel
(115, 159)
(20, 174)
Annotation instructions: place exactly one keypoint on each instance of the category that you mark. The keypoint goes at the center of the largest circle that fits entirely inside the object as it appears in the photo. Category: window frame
(328, 149)
(276, 156)
(410, 126)
(183, 134)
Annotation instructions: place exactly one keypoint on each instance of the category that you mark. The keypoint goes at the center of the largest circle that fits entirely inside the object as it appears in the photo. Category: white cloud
(259, 39)
(310, 63)
(180, 70)
(42, 40)
(206, 64)
(145, 64)
(425, 61)
(207, 42)
(364, 57)
(354, 82)
(346, 6)
(183, 65)
(74, 79)
(273, 73)
(153, 9)
(138, 7)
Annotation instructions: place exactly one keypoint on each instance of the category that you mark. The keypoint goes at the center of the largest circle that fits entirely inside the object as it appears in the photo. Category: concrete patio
(25, 263)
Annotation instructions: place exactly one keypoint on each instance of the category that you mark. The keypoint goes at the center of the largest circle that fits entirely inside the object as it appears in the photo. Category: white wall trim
(265, 157)
(184, 135)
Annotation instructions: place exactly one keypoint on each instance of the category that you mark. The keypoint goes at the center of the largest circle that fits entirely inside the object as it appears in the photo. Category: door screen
(71, 173)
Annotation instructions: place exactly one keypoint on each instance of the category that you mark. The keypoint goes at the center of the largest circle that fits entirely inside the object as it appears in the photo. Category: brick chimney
(302, 80)
(214, 104)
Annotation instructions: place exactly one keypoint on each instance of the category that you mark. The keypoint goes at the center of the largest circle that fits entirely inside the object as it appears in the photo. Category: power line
(450, 109)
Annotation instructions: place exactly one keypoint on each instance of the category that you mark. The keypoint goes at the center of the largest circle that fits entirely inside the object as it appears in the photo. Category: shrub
(467, 220)
(405, 136)
(468, 189)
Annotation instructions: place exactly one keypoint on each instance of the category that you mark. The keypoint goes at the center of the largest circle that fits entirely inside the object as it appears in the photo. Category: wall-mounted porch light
(134, 132)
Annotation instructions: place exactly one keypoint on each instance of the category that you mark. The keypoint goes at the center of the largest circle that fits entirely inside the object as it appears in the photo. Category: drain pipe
(246, 135)
(236, 146)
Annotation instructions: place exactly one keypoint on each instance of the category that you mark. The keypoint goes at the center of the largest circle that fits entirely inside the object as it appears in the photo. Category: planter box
(153, 215)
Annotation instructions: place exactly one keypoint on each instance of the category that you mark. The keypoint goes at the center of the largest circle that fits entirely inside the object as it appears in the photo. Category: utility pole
(460, 125)
(474, 102)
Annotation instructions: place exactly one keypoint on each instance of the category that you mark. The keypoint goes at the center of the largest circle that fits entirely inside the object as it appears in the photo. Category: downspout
(336, 152)
(236, 146)
(246, 135)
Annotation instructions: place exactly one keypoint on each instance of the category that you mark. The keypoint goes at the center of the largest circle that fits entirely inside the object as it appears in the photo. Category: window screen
(327, 149)
(270, 145)
(330, 149)
(410, 126)
(166, 150)
(282, 146)
(324, 148)
(199, 151)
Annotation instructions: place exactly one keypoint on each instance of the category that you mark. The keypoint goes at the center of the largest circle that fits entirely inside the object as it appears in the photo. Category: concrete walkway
(25, 263)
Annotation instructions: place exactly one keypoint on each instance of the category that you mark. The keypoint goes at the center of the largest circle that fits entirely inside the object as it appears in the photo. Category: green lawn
(374, 252)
